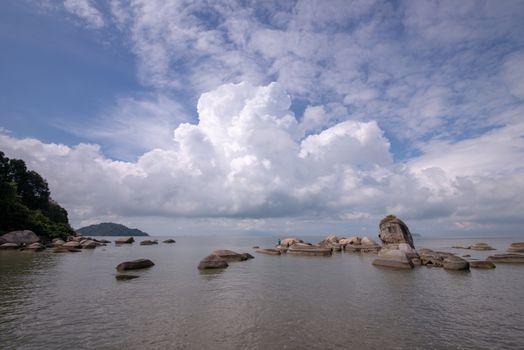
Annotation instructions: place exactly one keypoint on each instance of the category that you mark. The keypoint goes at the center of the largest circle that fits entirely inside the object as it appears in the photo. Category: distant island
(110, 229)
(416, 235)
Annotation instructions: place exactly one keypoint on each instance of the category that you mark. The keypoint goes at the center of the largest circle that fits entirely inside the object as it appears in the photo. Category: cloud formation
(249, 157)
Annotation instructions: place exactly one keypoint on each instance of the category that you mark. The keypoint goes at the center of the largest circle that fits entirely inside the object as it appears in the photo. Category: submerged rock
(125, 277)
(393, 258)
(507, 258)
(169, 241)
(135, 264)
(124, 240)
(393, 231)
(516, 247)
(20, 237)
(268, 251)
(212, 261)
(455, 263)
(481, 264)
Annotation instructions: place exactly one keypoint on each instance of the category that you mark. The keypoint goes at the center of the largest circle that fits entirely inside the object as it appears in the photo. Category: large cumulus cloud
(250, 157)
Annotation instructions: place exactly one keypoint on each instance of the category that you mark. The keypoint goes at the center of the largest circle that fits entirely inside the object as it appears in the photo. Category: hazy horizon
(281, 118)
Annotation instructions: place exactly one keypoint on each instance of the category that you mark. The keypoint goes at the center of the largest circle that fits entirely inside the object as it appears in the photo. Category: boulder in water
(268, 251)
(481, 246)
(72, 244)
(481, 264)
(229, 255)
(212, 261)
(350, 240)
(507, 258)
(20, 237)
(394, 231)
(169, 241)
(148, 242)
(125, 277)
(455, 263)
(135, 264)
(308, 250)
(124, 240)
(516, 247)
(89, 244)
(9, 246)
(286, 242)
(393, 258)
(35, 247)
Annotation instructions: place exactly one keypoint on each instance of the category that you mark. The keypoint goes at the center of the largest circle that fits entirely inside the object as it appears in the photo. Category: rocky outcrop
(135, 264)
(453, 262)
(24, 237)
(393, 231)
(516, 247)
(308, 250)
(169, 241)
(286, 242)
(124, 240)
(149, 242)
(268, 251)
(393, 258)
(212, 261)
(507, 258)
(481, 264)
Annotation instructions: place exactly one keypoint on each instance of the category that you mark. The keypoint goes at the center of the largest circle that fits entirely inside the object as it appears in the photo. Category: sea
(73, 301)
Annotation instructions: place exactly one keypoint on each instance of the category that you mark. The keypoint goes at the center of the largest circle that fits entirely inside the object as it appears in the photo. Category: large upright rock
(394, 231)
(21, 237)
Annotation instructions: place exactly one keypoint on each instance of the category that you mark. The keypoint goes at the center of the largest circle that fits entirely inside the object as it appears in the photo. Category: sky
(270, 117)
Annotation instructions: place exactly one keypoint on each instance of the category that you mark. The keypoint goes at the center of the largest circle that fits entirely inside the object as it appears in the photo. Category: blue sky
(336, 112)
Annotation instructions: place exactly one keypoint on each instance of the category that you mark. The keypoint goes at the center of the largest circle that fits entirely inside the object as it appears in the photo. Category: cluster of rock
(75, 243)
(219, 259)
(28, 240)
(516, 247)
(477, 246)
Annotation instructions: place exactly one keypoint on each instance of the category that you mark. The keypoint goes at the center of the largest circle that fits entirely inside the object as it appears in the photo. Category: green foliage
(26, 204)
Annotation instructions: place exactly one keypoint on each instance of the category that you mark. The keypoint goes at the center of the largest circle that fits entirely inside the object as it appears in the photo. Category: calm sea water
(72, 301)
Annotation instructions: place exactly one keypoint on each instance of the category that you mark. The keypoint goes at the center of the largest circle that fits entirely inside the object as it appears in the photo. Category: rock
(169, 241)
(7, 246)
(148, 242)
(331, 245)
(290, 241)
(406, 248)
(481, 246)
(125, 277)
(367, 245)
(135, 264)
(105, 241)
(350, 240)
(331, 238)
(229, 255)
(394, 231)
(246, 256)
(507, 258)
(255, 247)
(57, 242)
(466, 256)
(309, 250)
(455, 263)
(516, 247)
(431, 258)
(124, 240)
(72, 244)
(393, 258)
(35, 247)
(21, 237)
(76, 238)
(212, 261)
(268, 251)
(89, 244)
(459, 247)
(480, 264)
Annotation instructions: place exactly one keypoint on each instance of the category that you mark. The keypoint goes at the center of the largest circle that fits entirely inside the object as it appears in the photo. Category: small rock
(212, 261)
(148, 242)
(35, 247)
(7, 246)
(135, 264)
(124, 240)
(169, 241)
(481, 246)
(255, 247)
(479, 264)
(125, 277)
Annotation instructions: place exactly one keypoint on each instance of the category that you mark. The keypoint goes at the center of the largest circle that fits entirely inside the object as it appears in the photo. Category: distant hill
(110, 229)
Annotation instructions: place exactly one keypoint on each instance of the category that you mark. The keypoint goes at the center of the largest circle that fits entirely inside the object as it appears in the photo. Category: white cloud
(86, 10)
(247, 158)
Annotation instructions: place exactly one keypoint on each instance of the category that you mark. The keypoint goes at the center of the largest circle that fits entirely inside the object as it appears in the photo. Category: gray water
(72, 301)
